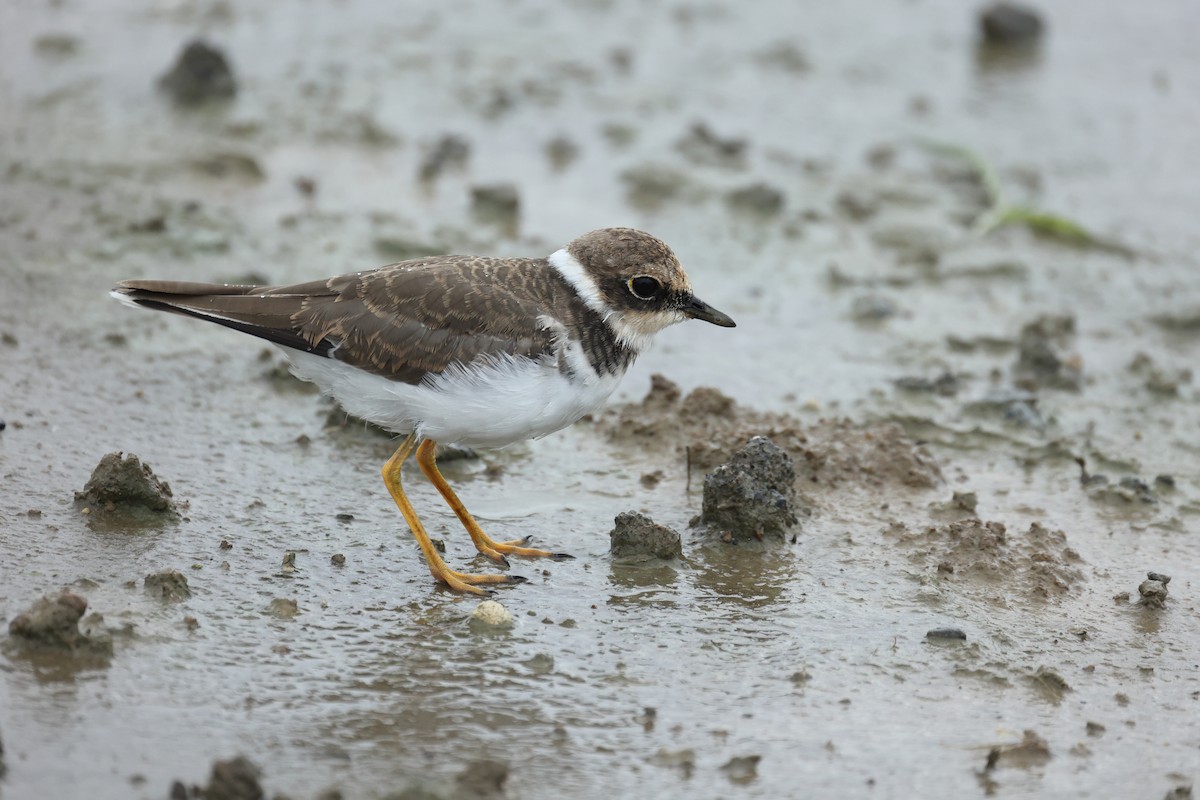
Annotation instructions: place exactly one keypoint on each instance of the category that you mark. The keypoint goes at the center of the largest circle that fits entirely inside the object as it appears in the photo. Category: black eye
(644, 287)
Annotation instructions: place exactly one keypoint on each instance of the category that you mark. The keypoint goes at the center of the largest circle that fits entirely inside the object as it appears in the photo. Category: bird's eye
(644, 287)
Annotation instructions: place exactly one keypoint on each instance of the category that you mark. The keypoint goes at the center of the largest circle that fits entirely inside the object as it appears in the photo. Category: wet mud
(961, 249)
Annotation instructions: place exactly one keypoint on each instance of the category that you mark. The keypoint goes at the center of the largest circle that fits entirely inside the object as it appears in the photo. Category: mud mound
(1036, 566)
(751, 497)
(706, 426)
(170, 584)
(123, 485)
(52, 623)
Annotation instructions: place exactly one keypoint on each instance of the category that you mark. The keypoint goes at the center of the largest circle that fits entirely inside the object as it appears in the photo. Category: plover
(467, 350)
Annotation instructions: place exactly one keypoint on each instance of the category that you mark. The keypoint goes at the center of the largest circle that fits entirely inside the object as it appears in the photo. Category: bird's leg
(485, 544)
(459, 581)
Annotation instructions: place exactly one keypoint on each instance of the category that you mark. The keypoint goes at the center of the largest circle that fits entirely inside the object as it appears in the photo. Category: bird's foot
(497, 551)
(471, 582)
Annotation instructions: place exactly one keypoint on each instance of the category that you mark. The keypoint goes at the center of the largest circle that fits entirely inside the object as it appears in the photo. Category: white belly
(486, 407)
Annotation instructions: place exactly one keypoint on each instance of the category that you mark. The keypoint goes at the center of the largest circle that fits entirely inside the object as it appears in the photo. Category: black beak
(696, 308)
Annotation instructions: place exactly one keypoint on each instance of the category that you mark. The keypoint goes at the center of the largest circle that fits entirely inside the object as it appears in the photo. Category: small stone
(53, 622)
(236, 779)
(200, 73)
(490, 615)
(947, 634)
(1010, 24)
(338, 560)
(1154, 590)
(636, 538)
(1095, 729)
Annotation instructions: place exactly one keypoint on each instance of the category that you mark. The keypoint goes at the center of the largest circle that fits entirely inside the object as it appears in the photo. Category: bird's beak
(698, 309)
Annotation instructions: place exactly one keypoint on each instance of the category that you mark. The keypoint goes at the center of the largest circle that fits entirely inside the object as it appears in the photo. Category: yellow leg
(459, 581)
(484, 543)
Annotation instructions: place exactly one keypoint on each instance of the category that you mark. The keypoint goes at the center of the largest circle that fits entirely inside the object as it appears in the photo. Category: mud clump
(170, 584)
(1042, 360)
(1154, 590)
(637, 538)
(752, 497)
(236, 779)
(123, 485)
(758, 199)
(52, 623)
(1031, 752)
(201, 73)
(984, 558)
(705, 426)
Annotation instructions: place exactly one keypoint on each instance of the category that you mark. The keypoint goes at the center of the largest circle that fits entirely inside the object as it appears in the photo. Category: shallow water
(813, 657)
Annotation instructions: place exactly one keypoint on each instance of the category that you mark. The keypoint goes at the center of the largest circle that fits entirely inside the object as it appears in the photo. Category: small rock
(1010, 24)
(1095, 729)
(636, 538)
(170, 584)
(947, 634)
(490, 615)
(1154, 590)
(751, 496)
(201, 73)
(236, 779)
(53, 623)
(338, 560)
(123, 483)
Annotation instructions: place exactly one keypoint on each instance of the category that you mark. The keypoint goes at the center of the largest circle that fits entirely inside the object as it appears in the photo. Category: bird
(473, 351)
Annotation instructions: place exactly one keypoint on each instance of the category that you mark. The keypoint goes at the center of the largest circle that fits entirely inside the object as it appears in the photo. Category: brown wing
(402, 321)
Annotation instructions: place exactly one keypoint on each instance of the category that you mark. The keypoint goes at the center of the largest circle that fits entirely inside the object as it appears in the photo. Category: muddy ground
(965, 279)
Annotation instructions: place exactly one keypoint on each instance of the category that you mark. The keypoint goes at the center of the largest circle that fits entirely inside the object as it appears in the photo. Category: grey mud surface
(992, 434)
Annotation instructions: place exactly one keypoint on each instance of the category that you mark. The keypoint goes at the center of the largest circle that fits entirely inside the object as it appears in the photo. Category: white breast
(485, 406)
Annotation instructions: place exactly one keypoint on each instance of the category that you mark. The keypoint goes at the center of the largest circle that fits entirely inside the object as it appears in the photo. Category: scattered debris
(201, 73)
(751, 496)
(1154, 590)
(637, 538)
(490, 615)
(170, 584)
(123, 484)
